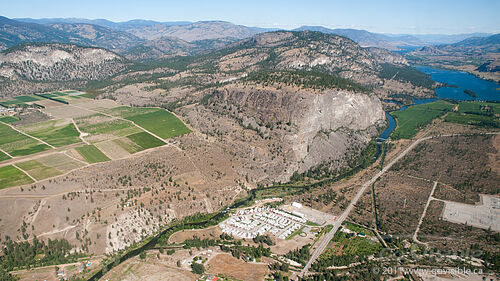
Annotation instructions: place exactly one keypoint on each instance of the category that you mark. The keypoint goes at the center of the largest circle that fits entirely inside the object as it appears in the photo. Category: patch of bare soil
(494, 155)
(31, 117)
(151, 268)
(212, 232)
(228, 265)
(459, 162)
(282, 247)
(400, 201)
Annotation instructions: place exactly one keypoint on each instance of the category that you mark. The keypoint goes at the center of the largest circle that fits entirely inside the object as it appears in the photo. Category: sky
(383, 16)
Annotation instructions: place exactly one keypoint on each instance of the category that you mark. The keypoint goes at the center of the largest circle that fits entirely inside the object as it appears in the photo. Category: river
(485, 90)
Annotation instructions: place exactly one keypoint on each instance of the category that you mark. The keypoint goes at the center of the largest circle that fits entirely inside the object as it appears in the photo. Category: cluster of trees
(264, 239)
(279, 266)
(307, 79)
(366, 271)
(247, 253)
(279, 276)
(197, 268)
(6, 276)
(301, 255)
(406, 74)
(37, 253)
(205, 243)
(200, 243)
(46, 96)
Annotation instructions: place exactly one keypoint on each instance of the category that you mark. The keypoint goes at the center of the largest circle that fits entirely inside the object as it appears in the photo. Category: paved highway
(323, 243)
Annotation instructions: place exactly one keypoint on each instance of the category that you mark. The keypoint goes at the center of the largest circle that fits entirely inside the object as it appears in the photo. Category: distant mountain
(477, 55)
(485, 44)
(394, 41)
(15, 32)
(490, 44)
(438, 39)
(99, 36)
(166, 47)
(368, 39)
(103, 22)
(196, 31)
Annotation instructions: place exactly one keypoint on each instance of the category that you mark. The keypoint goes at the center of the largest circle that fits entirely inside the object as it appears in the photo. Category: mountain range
(146, 39)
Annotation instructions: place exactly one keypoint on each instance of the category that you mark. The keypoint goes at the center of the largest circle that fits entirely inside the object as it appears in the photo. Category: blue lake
(485, 90)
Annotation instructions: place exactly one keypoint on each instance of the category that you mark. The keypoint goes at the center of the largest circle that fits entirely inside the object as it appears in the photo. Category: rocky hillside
(58, 62)
(309, 51)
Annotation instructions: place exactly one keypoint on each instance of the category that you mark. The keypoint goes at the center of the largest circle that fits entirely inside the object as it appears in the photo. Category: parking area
(309, 214)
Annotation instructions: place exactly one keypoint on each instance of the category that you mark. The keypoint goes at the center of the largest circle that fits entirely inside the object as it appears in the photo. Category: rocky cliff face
(311, 127)
(59, 62)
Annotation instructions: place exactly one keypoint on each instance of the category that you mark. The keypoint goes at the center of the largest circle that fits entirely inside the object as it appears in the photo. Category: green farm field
(477, 107)
(161, 123)
(60, 161)
(481, 120)
(11, 176)
(99, 124)
(38, 170)
(145, 140)
(409, 121)
(3, 156)
(27, 98)
(17, 144)
(92, 154)
(55, 132)
(9, 119)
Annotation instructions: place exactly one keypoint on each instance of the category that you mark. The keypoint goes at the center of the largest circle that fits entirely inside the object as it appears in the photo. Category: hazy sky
(386, 16)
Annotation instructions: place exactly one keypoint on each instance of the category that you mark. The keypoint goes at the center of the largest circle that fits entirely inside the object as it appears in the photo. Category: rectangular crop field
(27, 98)
(416, 117)
(55, 132)
(4, 156)
(477, 107)
(127, 111)
(60, 161)
(38, 170)
(101, 127)
(161, 123)
(11, 103)
(127, 144)
(9, 119)
(92, 154)
(17, 144)
(11, 176)
(473, 119)
(145, 140)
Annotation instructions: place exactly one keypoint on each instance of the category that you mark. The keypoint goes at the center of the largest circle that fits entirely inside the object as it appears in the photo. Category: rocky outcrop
(314, 128)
